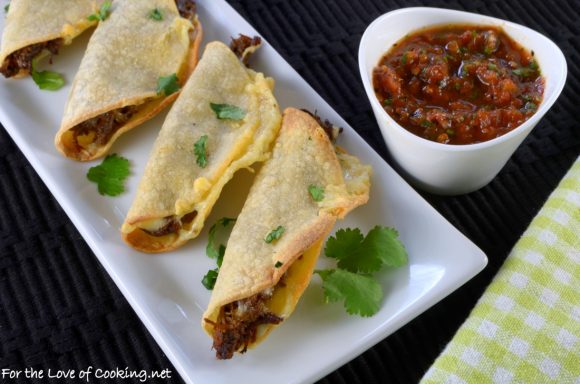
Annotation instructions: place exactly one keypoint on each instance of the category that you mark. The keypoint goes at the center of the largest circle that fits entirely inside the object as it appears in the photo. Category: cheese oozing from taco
(118, 84)
(198, 150)
(262, 276)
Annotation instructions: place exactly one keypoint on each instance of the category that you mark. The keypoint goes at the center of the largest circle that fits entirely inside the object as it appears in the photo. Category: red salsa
(459, 84)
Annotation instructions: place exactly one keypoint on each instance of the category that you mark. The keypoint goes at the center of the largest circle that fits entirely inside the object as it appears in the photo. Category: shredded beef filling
(242, 46)
(104, 125)
(172, 225)
(332, 131)
(22, 58)
(238, 323)
(186, 9)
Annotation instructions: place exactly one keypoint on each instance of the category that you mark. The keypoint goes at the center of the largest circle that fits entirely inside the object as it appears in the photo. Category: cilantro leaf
(167, 85)
(381, 247)
(227, 111)
(6, 8)
(48, 80)
(215, 249)
(346, 242)
(110, 175)
(102, 14)
(210, 278)
(275, 234)
(218, 232)
(156, 14)
(278, 264)
(316, 192)
(200, 151)
(360, 294)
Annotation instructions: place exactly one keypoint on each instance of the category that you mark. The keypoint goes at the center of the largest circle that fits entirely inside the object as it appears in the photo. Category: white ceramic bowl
(442, 168)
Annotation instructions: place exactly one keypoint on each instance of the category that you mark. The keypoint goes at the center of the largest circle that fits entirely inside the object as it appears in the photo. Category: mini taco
(140, 47)
(292, 206)
(225, 119)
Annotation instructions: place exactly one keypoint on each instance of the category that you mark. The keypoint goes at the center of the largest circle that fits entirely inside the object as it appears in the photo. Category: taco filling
(21, 60)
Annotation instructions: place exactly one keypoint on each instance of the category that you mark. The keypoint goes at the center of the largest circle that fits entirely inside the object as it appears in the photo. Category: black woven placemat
(60, 310)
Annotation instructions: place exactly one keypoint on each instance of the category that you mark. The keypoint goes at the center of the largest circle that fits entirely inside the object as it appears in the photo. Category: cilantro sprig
(102, 14)
(167, 85)
(227, 111)
(358, 256)
(47, 80)
(156, 14)
(110, 175)
(218, 235)
(356, 253)
(216, 249)
(200, 151)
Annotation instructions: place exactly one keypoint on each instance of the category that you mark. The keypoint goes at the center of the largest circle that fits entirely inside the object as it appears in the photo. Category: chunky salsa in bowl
(458, 84)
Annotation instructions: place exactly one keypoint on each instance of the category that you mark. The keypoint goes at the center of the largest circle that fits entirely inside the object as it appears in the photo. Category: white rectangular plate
(165, 290)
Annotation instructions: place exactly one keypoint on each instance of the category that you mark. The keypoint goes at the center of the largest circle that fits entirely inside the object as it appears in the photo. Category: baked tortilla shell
(31, 22)
(125, 58)
(173, 184)
(302, 156)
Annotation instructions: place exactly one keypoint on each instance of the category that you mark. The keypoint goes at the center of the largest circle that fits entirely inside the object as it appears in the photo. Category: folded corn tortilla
(32, 24)
(115, 88)
(259, 283)
(176, 194)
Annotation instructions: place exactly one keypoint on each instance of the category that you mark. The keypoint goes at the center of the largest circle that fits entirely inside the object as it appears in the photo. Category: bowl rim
(544, 106)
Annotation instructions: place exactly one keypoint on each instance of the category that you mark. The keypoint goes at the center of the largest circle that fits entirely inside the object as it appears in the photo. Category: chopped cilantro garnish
(450, 132)
(404, 58)
(358, 256)
(275, 234)
(492, 67)
(110, 175)
(316, 192)
(227, 111)
(388, 101)
(155, 14)
(210, 278)
(6, 7)
(48, 80)
(426, 124)
(278, 264)
(361, 294)
(218, 235)
(167, 85)
(102, 14)
(200, 151)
